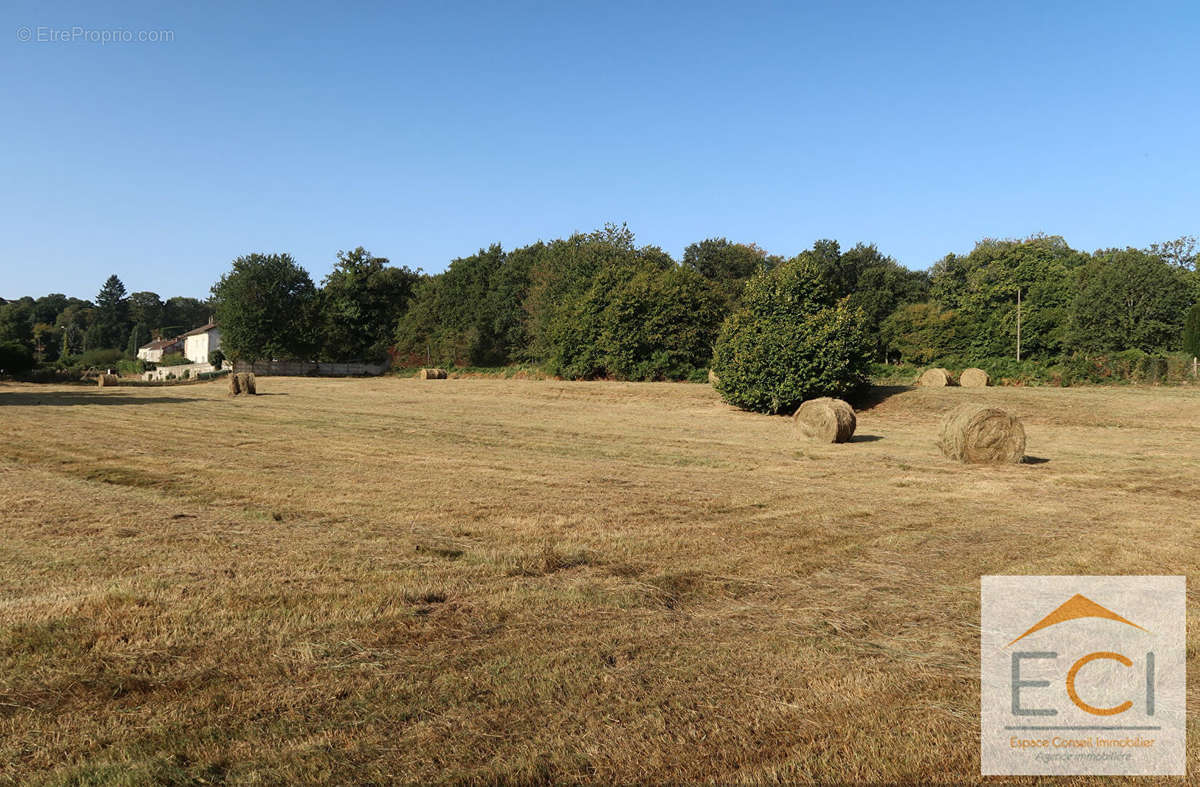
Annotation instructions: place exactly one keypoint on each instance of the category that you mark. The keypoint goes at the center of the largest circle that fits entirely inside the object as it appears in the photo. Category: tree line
(59, 331)
(599, 305)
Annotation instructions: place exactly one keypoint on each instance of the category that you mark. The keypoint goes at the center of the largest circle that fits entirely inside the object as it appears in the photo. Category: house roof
(202, 329)
(158, 345)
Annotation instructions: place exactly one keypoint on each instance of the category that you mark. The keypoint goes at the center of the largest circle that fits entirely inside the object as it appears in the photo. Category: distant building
(199, 342)
(195, 345)
(155, 350)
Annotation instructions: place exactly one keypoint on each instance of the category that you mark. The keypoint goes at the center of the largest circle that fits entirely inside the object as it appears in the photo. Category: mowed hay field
(502, 580)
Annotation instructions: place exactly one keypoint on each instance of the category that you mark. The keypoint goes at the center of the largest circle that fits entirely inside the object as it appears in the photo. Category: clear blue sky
(424, 131)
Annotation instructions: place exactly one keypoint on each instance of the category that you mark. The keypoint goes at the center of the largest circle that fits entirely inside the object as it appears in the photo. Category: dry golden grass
(373, 580)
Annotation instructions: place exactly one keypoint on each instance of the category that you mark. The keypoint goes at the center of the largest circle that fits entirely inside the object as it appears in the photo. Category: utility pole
(1018, 324)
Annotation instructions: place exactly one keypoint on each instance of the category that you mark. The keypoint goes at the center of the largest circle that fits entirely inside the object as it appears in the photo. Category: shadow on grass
(72, 398)
(865, 438)
(876, 395)
(1034, 460)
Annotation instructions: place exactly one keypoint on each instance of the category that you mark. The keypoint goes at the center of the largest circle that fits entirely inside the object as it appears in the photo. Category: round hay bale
(432, 374)
(935, 378)
(826, 420)
(712, 377)
(235, 384)
(974, 378)
(249, 385)
(982, 435)
(107, 379)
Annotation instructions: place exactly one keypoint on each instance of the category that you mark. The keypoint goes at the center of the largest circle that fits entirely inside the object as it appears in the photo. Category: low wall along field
(310, 368)
(372, 580)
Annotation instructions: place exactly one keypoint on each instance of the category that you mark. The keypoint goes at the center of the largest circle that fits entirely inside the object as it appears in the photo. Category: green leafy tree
(15, 358)
(728, 265)
(452, 318)
(266, 307)
(1181, 252)
(790, 340)
(1191, 332)
(637, 321)
(147, 308)
(182, 314)
(361, 301)
(566, 268)
(981, 288)
(1128, 299)
(47, 342)
(871, 281)
(93, 339)
(139, 335)
(16, 323)
(922, 333)
(72, 340)
(47, 308)
(112, 313)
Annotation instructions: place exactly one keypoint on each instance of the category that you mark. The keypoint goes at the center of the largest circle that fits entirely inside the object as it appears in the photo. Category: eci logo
(1082, 675)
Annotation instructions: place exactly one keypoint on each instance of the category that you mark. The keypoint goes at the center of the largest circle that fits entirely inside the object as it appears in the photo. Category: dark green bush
(15, 358)
(100, 358)
(216, 358)
(174, 359)
(790, 341)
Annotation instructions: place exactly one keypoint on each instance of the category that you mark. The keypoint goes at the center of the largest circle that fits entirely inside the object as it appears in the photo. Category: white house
(199, 342)
(155, 350)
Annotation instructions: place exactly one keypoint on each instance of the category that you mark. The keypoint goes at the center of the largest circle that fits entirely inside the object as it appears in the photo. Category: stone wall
(310, 369)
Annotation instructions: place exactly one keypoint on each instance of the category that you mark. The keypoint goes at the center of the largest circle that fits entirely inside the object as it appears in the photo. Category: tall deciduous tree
(982, 287)
(728, 265)
(266, 308)
(182, 314)
(147, 308)
(1128, 299)
(361, 301)
(1181, 252)
(871, 281)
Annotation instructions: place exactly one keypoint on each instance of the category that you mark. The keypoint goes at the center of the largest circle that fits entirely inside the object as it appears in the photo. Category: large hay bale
(235, 383)
(107, 379)
(826, 420)
(432, 374)
(935, 378)
(249, 385)
(982, 435)
(974, 378)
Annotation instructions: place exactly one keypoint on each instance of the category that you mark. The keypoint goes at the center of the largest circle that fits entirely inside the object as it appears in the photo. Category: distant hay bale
(432, 374)
(974, 378)
(826, 420)
(712, 377)
(982, 435)
(935, 378)
(249, 385)
(107, 379)
(235, 384)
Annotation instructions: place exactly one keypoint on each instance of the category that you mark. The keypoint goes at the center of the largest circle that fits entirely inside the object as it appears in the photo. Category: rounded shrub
(789, 341)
